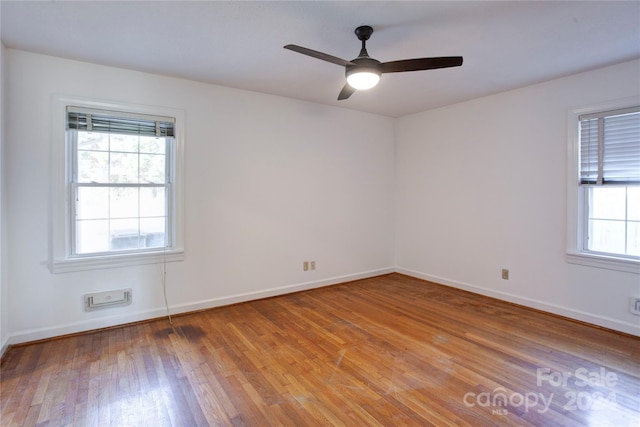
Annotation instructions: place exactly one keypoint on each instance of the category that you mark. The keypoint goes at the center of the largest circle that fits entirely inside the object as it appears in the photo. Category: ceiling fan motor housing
(363, 64)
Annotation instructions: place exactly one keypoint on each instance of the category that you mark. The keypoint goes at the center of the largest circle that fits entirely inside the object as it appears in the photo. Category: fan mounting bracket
(364, 32)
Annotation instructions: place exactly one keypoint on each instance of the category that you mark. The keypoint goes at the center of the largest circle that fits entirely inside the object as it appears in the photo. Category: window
(119, 175)
(120, 181)
(607, 189)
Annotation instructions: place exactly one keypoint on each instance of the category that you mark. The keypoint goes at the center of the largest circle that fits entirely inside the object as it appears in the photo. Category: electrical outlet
(634, 305)
(313, 265)
(505, 274)
(305, 265)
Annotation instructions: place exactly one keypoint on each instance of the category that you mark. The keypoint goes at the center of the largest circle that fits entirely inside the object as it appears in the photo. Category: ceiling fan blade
(346, 92)
(420, 64)
(318, 55)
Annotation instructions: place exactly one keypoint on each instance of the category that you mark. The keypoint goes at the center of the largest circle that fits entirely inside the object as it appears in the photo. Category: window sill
(600, 261)
(113, 261)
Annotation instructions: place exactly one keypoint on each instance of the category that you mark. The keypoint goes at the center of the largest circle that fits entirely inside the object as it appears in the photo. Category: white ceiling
(505, 44)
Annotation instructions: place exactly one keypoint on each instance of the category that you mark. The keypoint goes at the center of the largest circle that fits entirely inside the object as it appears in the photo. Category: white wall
(4, 312)
(270, 182)
(481, 186)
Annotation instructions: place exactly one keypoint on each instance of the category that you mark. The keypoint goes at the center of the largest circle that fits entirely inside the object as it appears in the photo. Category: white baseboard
(3, 347)
(105, 322)
(594, 319)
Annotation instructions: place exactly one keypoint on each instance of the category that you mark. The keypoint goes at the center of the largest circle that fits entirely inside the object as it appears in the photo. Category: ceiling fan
(364, 72)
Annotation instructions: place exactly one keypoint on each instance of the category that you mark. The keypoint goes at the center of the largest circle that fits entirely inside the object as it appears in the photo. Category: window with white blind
(121, 181)
(607, 186)
(121, 171)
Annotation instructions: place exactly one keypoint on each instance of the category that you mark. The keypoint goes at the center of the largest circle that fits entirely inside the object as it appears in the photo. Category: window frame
(577, 206)
(61, 259)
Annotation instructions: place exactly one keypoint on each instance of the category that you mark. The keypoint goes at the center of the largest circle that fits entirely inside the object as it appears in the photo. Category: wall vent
(98, 300)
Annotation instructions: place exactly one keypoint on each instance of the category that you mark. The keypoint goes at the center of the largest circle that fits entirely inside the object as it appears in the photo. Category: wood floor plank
(390, 350)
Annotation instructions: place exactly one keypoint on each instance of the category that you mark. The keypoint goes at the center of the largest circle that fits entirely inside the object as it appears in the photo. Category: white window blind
(94, 120)
(610, 147)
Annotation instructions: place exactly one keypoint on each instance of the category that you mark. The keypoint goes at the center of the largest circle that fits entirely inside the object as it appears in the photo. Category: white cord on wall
(164, 282)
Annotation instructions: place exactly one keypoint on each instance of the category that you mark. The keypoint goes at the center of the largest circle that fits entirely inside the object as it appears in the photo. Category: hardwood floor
(390, 351)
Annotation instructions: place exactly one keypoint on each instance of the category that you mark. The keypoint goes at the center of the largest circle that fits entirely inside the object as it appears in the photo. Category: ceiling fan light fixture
(363, 79)
(364, 71)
